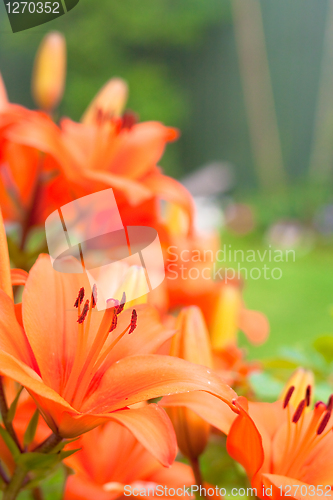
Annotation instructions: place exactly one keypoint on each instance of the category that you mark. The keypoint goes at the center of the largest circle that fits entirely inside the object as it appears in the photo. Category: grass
(298, 304)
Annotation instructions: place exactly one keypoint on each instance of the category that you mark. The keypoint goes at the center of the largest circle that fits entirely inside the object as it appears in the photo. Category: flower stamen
(84, 312)
(288, 396)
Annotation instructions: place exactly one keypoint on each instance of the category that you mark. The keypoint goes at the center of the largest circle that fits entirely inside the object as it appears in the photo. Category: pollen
(79, 298)
(84, 313)
(114, 322)
(288, 396)
(323, 424)
(121, 306)
(299, 411)
(134, 319)
(308, 395)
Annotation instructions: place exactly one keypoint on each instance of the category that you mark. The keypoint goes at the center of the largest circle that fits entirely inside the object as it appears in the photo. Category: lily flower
(123, 466)
(82, 367)
(285, 450)
(19, 163)
(101, 152)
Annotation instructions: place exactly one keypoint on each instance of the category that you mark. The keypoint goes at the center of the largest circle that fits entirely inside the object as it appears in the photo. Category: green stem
(197, 474)
(4, 413)
(49, 443)
(15, 484)
(37, 494)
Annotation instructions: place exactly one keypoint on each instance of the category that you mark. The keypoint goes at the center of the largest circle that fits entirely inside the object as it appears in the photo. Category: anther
(299, 411)
(308, 395)
(79, 298)
(323, 423)
(121, 306)
(84, 313)
(330, 403)
(94, 296)
(288, 396)
(134, 319)
(114, 322)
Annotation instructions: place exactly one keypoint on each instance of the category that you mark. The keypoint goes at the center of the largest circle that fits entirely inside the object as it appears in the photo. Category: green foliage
(146, 42)
(12, 408)
(31, 429)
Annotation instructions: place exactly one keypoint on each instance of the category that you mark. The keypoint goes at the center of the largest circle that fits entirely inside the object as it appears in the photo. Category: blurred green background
(249, 83)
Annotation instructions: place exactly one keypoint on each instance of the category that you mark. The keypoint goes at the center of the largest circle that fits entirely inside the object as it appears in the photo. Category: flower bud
(49, 73)
(226, 316)
(108, 103)
(191, 343)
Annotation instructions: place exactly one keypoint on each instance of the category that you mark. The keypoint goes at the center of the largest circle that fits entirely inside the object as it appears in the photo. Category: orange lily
(103, 151)
(18, 163)
(122, 463)
(79, 368)
(286, 451)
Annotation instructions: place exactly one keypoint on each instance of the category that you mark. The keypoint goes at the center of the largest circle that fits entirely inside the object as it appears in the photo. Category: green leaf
(38, 461)
(68, 453)
(31, 429)
(63, 443)
(10, 443)
(12, 408)
(324, 345)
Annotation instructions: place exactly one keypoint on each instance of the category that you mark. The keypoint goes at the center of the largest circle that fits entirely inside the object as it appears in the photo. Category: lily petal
(152, 427)
(18, 276)
(48, 299)
(130, 381)
(289, 488)
(255, 325)
(244, 442)
(208, 407)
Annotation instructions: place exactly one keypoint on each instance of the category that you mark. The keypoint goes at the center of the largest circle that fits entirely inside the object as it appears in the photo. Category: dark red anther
(308, 395)
(323, 423)
(288, 396)
(121, 306)
(129, 119)
(299, 411)
(84, 313)
(330, 403)
(114, 322)
(94, 296)
(79, 298)
(134, 319)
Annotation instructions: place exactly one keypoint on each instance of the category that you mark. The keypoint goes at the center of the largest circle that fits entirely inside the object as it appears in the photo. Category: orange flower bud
(108, 103)
(191, 343)
(49, 73)
(226, 316)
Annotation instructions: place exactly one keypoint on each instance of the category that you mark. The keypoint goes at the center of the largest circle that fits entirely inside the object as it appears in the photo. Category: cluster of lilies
(115, 394)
